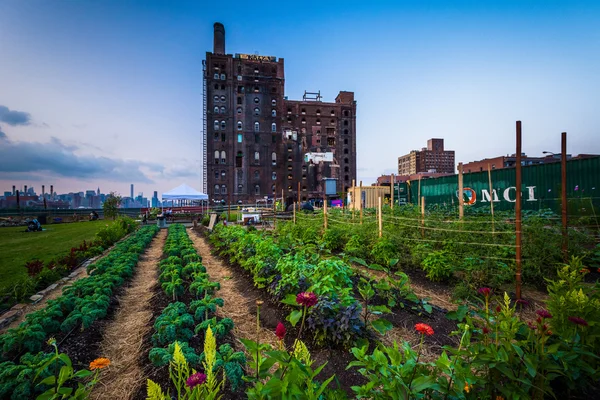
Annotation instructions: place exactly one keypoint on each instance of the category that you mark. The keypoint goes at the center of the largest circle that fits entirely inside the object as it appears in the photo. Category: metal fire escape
(204, 129)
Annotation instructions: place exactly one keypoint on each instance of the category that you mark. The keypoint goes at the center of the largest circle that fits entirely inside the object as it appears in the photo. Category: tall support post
(563, 182)
(491, 196)
(392, 192)
(353, 197)
(380, 219)
(461, 205)
(419, 192)
(360, 202)
(299, 199)
(422, 216)
(518, 211)
(294, 213)
(325, 212)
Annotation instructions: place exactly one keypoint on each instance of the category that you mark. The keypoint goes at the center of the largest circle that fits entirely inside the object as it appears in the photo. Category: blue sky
(112, 90)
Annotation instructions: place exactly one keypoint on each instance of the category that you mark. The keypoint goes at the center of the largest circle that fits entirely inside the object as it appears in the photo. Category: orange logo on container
(469, 196)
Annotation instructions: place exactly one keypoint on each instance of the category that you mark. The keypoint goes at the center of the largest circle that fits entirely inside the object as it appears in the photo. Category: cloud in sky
(14, 118)
(58, 158)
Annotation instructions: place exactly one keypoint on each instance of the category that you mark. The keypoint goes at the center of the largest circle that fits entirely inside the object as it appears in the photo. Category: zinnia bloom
(280, 331)
(99, 363)
(307, 299)
(467, 387)
(544, 313)
(485, 291)
(486, 330)
(498, 309)
(196, 379)
(424, 329)
(522, 303)
(578, 321)
(584, 270)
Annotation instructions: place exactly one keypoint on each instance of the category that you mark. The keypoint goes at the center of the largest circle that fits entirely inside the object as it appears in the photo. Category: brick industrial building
(257, 142)
(433, 158)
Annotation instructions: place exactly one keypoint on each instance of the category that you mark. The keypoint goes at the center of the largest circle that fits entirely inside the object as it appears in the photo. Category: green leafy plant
(220, 327)
(174, 324)
(438, 265)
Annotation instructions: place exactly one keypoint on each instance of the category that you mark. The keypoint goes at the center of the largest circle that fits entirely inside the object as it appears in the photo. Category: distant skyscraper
(131, 191)
(98, 192)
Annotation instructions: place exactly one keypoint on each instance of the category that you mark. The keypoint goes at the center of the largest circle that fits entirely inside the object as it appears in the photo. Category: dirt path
(123, 337)
(239, 306)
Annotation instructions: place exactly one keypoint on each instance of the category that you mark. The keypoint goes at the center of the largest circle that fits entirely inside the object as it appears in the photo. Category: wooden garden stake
(353, 197)
(423, 216)
(392, 192)
(294, 213)
(361, 203)
(563, 182)
(380, 221)
(491, 197)
(419, 192)
(325, 212)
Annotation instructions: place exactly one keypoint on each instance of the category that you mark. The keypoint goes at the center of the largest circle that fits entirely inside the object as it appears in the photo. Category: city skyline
(110, 93)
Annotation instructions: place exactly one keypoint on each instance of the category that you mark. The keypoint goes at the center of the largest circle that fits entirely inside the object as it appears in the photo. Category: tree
(111, 205)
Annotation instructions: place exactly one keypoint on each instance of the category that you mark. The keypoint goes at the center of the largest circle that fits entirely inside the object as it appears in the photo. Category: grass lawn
(17, 246)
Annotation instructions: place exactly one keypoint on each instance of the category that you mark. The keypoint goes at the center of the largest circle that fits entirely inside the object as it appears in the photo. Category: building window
(318, 121)
(223, 157)
(273, 113)
(345, 141)
(256, 127)
(216, 125)
(345, 151)
(331, 142)
(289, 110)
(274, 158)
(273, 127)
(240, 187)
(223, 189)
(345, 131)
(346, 113)
(256, 175)
(216, 110)
(222, 137)
(216, 86)
(289, 158)
(217, 187)
(256, 111)
(223, 125)
(289, 149)
(223, 98)
(223, 174)
(346, 178)
(303, 121)
(346, 160)
(240, 89)
(239, 138)
(239, 100)
(274, 176)
(256, 138)
(222, 110)
(318, 112)
(346, 169)
(303, 111)
(216, 75)
(239, 110)
(256, 100)
(239, 125)
(256, 157)
(273, 102)
(216, 175)
(256, 89)
(216, 98)
(290, 177)
(345, 122)
(238, 159)
(274, 138)
(332, 122)
(223, 77)
(273, 90)
(332, 112)
(240, 174)
(257, 190)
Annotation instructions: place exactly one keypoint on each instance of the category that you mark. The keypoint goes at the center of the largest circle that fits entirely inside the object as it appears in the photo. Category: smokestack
(51, 191)
(131, 194)
(25, 191)
(14, 189)
(43, 190)
(219, 39)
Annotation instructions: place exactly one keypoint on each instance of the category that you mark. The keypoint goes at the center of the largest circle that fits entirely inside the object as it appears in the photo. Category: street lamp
(549, 152)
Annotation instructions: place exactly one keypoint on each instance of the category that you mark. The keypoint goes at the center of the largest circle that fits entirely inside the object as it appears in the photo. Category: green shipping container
(541, 188)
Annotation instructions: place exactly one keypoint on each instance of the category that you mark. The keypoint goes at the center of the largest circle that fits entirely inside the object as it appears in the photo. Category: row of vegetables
(184, 323)
(81, 304)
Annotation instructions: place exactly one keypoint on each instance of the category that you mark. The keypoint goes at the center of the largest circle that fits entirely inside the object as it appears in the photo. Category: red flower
(498, 309)
(424, 329)
(280, 331)
(584, 270)
(486, 330)
(196, 379)
(307, 299)
(522, 303)
(485, 291)
(578, 321)
(549, 333)
(544, 314)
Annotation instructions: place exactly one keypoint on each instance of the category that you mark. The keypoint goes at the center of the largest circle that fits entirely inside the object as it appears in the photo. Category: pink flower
(522, 303)
(485, 291)
(307, 299)
(196, 379)
(578, 321)
(280, 331)
(544, 314)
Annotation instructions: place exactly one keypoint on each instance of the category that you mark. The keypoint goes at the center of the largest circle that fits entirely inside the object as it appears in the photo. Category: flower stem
(416, 363)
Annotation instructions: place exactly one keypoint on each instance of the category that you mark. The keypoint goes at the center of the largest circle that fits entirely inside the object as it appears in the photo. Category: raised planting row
(82, 303)
(347, 306)
(183, 324)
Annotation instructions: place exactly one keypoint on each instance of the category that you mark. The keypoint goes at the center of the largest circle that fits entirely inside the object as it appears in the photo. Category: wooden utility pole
(380, 220)
(518, 211)
(563, 176)
(491, 196)
(299, 200)
(461, 192)
(353, 197)
(419, 193)
(392, 192)
(361, 203)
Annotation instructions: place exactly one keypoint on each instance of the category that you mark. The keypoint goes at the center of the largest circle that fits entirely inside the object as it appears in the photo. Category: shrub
(438, 265)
